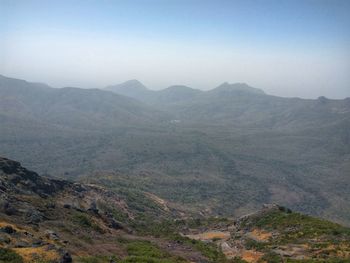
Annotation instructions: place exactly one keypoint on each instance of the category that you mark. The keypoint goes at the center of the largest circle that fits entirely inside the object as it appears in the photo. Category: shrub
(253, 244)
(86, 222)
(271, 257)
(237, 260)
(82, 220)
(9, 256)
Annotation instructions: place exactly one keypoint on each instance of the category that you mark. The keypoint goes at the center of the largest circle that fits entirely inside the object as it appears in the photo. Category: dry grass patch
(33, 254)
(260, 235)
(251, 256)
(210, 235)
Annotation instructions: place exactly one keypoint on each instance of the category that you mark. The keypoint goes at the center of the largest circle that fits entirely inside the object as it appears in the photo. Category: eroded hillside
(48, 220)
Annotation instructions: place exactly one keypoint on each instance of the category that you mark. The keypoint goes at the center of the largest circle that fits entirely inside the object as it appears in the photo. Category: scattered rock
(51, 235)
(79, 209)
(8, 230)
(5, 239)
(51, 206)
(285, 209)
(115, 224)
(79, 188)
(28, 234)
(7, 208)
(37, 243)
(50, 247)
(93, 208)
(66, 258)
(34, 216)
(283, 252)
(21, 244)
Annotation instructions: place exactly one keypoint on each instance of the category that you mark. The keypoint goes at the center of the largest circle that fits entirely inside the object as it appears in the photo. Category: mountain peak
(180, 88)
(129, 85)
(238, 87)
(134, 82)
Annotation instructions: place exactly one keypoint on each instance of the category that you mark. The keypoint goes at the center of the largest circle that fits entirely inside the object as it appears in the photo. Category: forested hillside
(224, 151)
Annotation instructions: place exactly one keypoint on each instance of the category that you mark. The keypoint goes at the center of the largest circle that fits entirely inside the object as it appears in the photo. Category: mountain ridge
(200, 152)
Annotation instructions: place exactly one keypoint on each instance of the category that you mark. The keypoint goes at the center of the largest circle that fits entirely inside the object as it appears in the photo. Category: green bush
(294, 226)
(84, 221)
(237, 260)
(9, 256)
(271, 257)
(146, 259)
(144, 251)
(253, 244)
(96, 259)
(330, 260)
(144, 248)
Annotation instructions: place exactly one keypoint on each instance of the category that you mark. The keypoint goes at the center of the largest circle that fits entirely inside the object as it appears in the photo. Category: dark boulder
(4, 239)
(7, 208)
(51, 235)
(66, 258)
(34, 216)
(37, 243)
(8, 230)
(50, 206)
(115, 224)
(21, 244)
(93, 208)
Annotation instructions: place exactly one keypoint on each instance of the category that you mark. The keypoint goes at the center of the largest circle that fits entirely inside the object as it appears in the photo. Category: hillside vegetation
(220, 152)
(276, 234)
(49, 221)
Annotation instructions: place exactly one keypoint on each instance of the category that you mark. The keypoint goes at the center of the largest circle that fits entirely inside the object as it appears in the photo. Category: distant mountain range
(237, 105)
(174, 94)
(223, 151)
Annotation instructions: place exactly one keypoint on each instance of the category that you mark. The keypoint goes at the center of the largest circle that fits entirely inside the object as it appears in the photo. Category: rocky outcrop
(17, 182)
(250, 219)
(14, 177)
(41, 208)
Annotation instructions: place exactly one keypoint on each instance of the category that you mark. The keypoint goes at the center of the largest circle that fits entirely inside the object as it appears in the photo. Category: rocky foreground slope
(276, 234)
(42, 219)
(49, 220)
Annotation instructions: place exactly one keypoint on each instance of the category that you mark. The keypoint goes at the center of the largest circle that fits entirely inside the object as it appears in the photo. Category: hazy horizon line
(164, 88)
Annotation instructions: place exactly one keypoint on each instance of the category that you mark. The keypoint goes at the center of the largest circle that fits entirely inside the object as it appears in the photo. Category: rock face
(47, 220)
(34, 211)
(16, 181)
(266, 209)
(14, 177)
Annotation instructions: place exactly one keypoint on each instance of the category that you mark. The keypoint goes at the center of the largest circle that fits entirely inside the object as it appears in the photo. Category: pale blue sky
(290, 48)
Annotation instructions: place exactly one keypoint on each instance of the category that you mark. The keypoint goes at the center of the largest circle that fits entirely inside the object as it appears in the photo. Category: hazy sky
(290, 48)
